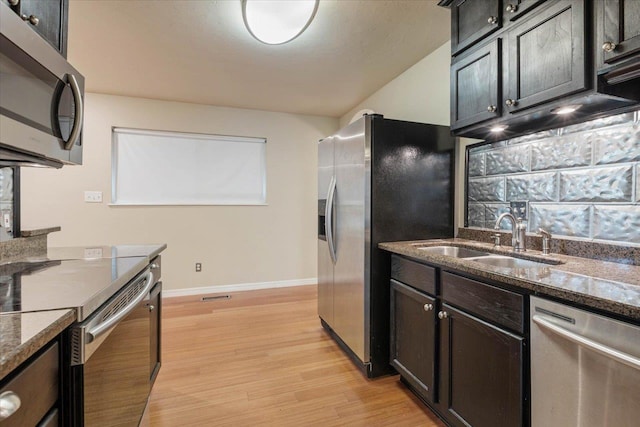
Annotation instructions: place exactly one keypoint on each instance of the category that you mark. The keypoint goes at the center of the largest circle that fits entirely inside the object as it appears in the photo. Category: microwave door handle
(79, 113)
(328, 224)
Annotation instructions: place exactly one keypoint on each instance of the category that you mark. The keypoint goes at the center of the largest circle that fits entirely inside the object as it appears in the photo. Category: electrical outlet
(93, 196)
(93, 253)
(520, 209)
(198, 267)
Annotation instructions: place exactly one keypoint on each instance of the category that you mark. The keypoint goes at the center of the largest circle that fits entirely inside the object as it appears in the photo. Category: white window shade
(169, 168)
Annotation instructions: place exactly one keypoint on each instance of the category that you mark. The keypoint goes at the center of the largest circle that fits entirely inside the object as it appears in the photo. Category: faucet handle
(546, 240)
(496, 239)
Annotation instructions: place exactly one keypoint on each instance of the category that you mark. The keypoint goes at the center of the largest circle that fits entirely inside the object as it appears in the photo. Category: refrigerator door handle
(328, 224)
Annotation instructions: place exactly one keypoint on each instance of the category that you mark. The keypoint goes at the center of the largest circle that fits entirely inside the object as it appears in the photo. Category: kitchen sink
(453, 251)
(508, 262)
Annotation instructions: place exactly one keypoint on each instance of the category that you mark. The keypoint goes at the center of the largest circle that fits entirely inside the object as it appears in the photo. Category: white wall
(421, 94)
(235, 244)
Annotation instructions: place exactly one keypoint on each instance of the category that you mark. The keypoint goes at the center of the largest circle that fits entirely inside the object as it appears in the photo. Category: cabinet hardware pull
(33, 20)
(9, 404)
(443, 315)
(151, 307)
(428, 307)
(510, 102)
(492, 20)
(511, 8)
(492, 108)
(609, 46)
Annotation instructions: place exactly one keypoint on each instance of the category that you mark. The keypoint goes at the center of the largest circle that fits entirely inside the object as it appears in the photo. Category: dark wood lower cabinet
(481, 372)
(413, 343)
(463, 349)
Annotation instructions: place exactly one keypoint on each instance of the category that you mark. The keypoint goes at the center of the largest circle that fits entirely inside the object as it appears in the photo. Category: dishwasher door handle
(595, 346)
(101, 328)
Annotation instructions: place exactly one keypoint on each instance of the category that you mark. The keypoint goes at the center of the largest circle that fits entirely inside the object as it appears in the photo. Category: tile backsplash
(581, 181)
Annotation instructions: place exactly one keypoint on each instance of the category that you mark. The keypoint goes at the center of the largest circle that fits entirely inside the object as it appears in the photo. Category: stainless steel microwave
(41, 99)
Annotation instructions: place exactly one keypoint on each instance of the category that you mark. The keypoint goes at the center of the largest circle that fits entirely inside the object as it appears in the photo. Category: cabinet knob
(511, 8)
(14, 2)
(510, 102)
(492, 108)
(492, 20)
(154, 265)
(9, 404)
(33, 20)
(428, 307)
(151, 307)
(443, 315)
(609, 46)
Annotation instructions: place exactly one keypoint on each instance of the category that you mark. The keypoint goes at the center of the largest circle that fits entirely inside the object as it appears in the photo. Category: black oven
(41, 99)
(110, 353)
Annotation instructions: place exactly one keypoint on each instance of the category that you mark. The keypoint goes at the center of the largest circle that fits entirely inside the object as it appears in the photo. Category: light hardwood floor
(261, 358)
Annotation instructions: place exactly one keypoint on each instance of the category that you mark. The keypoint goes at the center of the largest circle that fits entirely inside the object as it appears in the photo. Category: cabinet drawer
(494, 304)
(414, 274)
(37, 388)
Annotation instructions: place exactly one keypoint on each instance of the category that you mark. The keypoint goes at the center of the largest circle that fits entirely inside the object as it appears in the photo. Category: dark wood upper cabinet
(413, 328)
(481, 372)
(547, 56)
(473, 20)
(621, 29)
(476, 82)
(48, 18)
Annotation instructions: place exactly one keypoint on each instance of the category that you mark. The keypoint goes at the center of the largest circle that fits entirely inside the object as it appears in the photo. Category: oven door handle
(611, 353)
(101, 328)
(79, 114)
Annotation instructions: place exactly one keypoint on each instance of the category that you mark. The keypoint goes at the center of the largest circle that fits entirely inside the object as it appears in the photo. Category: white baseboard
(168, 293)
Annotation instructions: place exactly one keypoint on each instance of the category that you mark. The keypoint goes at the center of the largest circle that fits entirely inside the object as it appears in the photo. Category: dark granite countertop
(607, 286)
(53, 290)
(22, 334)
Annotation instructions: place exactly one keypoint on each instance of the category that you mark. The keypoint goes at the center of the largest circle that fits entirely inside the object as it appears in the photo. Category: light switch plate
(93, 196)
(520, 209)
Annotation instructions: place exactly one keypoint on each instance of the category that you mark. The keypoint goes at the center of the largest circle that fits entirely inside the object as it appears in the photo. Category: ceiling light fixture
(568, 109)
(498, 129)
(278, 21)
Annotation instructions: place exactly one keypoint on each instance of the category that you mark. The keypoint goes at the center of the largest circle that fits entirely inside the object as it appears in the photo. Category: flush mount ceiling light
(278, 21)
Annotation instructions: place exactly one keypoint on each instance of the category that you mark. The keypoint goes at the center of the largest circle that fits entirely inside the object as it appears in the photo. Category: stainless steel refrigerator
(378, 180)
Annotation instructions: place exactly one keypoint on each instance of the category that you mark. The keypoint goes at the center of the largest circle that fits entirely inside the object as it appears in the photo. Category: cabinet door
(481, 372)
(473, 20)
(52, 20)
(155, 311)
(413, 337)
(547, 56)
(621, 29)
(476, 85)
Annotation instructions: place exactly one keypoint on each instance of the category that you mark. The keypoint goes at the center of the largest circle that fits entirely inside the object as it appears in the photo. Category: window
(171, 168)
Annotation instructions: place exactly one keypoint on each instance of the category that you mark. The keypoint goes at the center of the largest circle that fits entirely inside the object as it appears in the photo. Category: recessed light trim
(497, 129)
(278, 21)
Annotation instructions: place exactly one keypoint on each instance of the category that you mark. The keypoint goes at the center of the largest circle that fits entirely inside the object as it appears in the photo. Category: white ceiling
(199, 51)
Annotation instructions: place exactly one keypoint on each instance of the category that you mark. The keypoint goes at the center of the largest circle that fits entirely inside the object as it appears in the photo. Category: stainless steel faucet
(518, 231)
(546, 241)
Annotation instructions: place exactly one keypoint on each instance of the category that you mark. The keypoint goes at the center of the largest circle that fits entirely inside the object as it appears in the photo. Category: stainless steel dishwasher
(585, 368)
